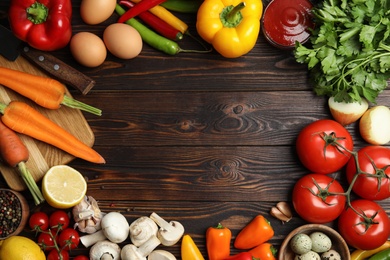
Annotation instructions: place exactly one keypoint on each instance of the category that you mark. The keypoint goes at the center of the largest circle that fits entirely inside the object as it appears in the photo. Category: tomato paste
(287, 21)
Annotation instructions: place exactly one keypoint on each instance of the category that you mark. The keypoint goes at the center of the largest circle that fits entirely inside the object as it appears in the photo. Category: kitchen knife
(9, 48)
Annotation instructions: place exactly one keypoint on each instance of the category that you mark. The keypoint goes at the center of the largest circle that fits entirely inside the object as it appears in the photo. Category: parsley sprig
(349, 55)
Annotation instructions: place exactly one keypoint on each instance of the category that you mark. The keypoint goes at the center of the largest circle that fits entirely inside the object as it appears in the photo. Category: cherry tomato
(69, 239)
(322, 156)
(53, 255)
(59, 218)
(81, 257)
(373, 160)
(39, 219)
(46, 241)
(364, 233)
(312, 199)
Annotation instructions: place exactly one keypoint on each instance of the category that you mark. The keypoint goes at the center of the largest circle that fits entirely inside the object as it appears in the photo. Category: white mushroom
(142, 229)
(105, 250)
(131, 252)
(161, 255)
(169, 233)
(114, 228)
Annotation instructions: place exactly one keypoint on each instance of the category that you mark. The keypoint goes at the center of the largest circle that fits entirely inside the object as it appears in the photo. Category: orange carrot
(46, 92)
(23, 119)
(15, 153)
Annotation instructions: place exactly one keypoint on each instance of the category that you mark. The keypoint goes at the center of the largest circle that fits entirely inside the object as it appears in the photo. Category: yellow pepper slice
(189, 250)
(231, 26)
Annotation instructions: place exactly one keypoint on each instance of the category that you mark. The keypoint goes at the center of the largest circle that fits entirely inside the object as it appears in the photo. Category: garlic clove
(282, 212)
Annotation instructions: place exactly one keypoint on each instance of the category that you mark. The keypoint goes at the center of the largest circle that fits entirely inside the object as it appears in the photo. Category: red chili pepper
(140, 7)
(43, 24)
(156, 23)
(241, 256)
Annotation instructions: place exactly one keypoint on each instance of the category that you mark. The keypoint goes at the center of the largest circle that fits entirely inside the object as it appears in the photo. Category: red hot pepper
(140, 7)
(43, 24)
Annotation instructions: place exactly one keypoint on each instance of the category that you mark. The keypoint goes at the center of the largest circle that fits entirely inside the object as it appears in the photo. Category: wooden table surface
(198, 138)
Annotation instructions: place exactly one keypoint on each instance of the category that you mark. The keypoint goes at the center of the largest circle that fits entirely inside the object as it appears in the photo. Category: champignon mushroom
(105, 250)
(131, 252)
(161, 255)
(142, 229)
(169, 233)
(114, 228)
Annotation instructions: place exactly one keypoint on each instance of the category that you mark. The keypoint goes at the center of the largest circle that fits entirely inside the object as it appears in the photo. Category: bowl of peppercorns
(14, 212)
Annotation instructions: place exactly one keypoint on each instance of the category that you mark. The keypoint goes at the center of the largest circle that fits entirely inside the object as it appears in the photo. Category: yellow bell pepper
(230, 26)
(189, 250)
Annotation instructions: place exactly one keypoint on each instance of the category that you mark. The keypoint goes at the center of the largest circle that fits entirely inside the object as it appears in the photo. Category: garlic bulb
(87, 215)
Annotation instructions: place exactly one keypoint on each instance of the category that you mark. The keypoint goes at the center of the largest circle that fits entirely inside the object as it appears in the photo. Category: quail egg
(301, 243)
(331, 255)
(320, 242)
(311, 255)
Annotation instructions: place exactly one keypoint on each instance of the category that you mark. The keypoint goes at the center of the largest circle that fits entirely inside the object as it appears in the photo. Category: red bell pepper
(43, 24)
(242, 256)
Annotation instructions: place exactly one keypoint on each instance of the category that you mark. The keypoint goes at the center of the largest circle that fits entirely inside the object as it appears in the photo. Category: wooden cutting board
(42, 155)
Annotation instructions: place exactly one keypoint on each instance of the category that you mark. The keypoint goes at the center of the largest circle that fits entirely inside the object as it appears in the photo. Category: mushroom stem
(89, 240)
(146, 248)
(162, 222)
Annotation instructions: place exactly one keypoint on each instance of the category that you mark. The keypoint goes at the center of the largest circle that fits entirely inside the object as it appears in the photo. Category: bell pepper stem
(231, 15)
(37, 13)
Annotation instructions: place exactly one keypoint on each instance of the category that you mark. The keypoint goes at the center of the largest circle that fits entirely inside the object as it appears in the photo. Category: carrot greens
(349, 55)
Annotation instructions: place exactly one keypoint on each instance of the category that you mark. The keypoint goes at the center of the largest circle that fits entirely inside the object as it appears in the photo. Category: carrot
(46, 92)
(15, 153)
(24, 119)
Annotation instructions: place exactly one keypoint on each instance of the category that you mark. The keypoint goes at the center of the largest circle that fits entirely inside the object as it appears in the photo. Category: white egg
(300, 243)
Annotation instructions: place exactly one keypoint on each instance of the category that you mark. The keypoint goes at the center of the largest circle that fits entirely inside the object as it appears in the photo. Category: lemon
(63, 187)
(20, 248)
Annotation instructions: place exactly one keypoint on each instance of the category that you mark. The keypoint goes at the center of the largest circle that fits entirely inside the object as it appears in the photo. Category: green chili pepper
(382, 255)
(152, 38)
(182, 6)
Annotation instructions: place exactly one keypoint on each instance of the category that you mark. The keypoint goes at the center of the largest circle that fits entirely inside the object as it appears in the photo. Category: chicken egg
(122, 40)
(88, 49)
(96, 11)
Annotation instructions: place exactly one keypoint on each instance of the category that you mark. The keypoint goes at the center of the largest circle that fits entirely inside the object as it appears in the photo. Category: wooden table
(198, 138)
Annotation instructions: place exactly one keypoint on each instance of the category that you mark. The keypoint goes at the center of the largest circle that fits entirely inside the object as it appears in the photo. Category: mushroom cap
(104, 247)
(115, 227)
(142, 229)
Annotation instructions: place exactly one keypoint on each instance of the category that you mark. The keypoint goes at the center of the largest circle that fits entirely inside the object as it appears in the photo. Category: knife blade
(9, 48)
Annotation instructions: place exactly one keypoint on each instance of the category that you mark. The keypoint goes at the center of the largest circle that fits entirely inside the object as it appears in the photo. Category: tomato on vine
(68, 239)
(365, 225)
(55, 255)
(318, 198)
(320, 146)
(39, 220)
(375, 161)
(59, 218)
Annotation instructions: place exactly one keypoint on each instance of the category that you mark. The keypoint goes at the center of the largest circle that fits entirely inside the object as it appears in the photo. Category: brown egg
(88, 49)
(96, 11)
(122, 40)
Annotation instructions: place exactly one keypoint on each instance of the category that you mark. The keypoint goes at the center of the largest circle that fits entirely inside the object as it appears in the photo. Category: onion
(347, 113)
(374, 125)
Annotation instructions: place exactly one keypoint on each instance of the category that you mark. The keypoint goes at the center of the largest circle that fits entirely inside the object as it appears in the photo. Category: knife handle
(59, 70)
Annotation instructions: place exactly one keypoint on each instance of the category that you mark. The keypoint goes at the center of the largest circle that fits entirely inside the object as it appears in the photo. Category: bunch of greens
(349, 56)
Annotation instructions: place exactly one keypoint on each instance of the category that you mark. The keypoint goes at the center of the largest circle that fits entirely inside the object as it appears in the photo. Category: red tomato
(59, 218)
(364, 233)
(81, 257)
(312, 201)
(69, 239)
(46, 241)
(53, 255)
(39, 219)
(372, 160)
(322, 156)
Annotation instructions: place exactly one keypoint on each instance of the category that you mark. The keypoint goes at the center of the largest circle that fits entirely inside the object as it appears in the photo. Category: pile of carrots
(20, 117)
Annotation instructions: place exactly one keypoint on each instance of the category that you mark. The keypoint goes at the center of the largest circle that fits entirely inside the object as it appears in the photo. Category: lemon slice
(63, 187)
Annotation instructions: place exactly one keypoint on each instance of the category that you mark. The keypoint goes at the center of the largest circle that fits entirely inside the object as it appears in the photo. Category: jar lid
(287, 21)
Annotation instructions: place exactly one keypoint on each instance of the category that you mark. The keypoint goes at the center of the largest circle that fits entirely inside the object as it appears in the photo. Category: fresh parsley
(349, 55)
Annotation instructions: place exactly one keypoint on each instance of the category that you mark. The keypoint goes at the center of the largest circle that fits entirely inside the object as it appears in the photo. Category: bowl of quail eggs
(314, 242)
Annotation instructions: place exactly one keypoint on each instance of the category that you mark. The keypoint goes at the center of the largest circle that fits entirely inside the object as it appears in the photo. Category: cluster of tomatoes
(325, 147)
(54, 235)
